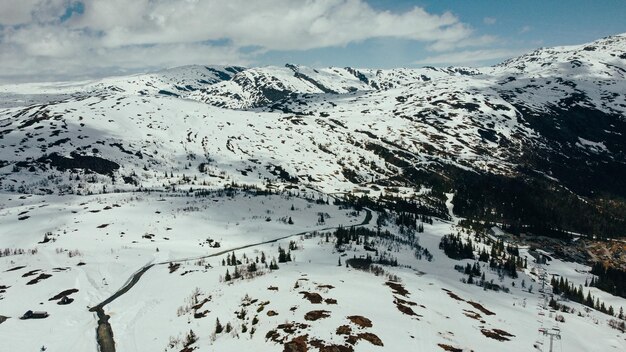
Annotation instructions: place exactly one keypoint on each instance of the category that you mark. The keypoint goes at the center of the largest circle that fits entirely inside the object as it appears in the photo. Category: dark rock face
(86, 162)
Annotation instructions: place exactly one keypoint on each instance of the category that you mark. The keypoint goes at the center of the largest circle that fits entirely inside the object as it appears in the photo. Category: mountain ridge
(548, 124)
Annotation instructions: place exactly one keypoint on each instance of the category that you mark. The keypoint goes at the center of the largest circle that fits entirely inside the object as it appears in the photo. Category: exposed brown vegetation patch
(38, 278)
(64, 293)
(497, 334)
(449, 348)
(290, 328)
(481, 308)
(313, 297)
(405, 302)
(330, 301)
(316, 315)
(273, 288)
(271, 313)
(397, 288)
(371, 338)
(360, 321)
(322, 347)
(344, 330)
(102, 226)
(406, 310)
(472, 314)
(297, 344)
(16, 268)
(453, 295)
(328, 287)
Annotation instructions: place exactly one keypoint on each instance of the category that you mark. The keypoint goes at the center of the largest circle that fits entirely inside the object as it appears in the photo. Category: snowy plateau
(223, 208)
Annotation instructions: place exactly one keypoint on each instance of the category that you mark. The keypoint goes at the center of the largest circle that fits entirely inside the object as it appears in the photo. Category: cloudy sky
(74, 39)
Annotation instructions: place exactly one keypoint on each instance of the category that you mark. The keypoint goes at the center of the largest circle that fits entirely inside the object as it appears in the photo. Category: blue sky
(73, 39)
(519, 26)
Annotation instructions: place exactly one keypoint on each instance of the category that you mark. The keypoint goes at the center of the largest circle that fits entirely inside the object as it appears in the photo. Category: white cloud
(469, 57)
(489, 20)
(123, 35)
(525, 29)
(271, 24)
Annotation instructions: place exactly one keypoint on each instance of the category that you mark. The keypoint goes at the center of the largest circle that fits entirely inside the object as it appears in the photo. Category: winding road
(104, 332)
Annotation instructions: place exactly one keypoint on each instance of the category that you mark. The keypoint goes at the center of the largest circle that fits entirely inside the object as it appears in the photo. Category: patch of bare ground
(405, 302)
(497, 334)
(453, 295)
(360, 321)
(330, 301)
(31, 273)
(16, 268)
(201, 303)
(313, 297)
(397, 288)
(316, 315)
(63, 293)
(406, 310)
(38, 278)
(449, 348)
(297, 344)
(273, 288)
(102, 226)
(371, 338)
(290, 328)
(472, 314)
(328, 287)
(344, 330)
(322, 347)
(3, 319)
(271, 313)
(481, 308)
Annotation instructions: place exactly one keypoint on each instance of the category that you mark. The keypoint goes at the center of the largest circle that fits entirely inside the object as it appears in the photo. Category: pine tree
(218, 327)
(227, 276)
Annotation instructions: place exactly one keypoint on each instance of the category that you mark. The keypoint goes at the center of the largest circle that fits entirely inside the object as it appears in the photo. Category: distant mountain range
(536, 143)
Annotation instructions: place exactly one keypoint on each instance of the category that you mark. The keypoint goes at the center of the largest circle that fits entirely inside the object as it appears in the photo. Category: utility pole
(555, 334)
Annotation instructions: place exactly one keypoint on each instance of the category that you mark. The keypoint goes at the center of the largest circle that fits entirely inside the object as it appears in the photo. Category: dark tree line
(568, 290)
(609, 279)
(454, 247)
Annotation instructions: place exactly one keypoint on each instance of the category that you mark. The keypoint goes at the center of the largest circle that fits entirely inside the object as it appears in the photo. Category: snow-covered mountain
(554, 115)
(301, 209)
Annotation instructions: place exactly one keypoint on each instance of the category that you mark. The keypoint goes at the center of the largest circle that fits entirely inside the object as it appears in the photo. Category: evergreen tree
(227, 276)
(218, 327)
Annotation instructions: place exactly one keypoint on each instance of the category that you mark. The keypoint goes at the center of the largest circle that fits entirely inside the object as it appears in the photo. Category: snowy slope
(126, 172)
(97, 242)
